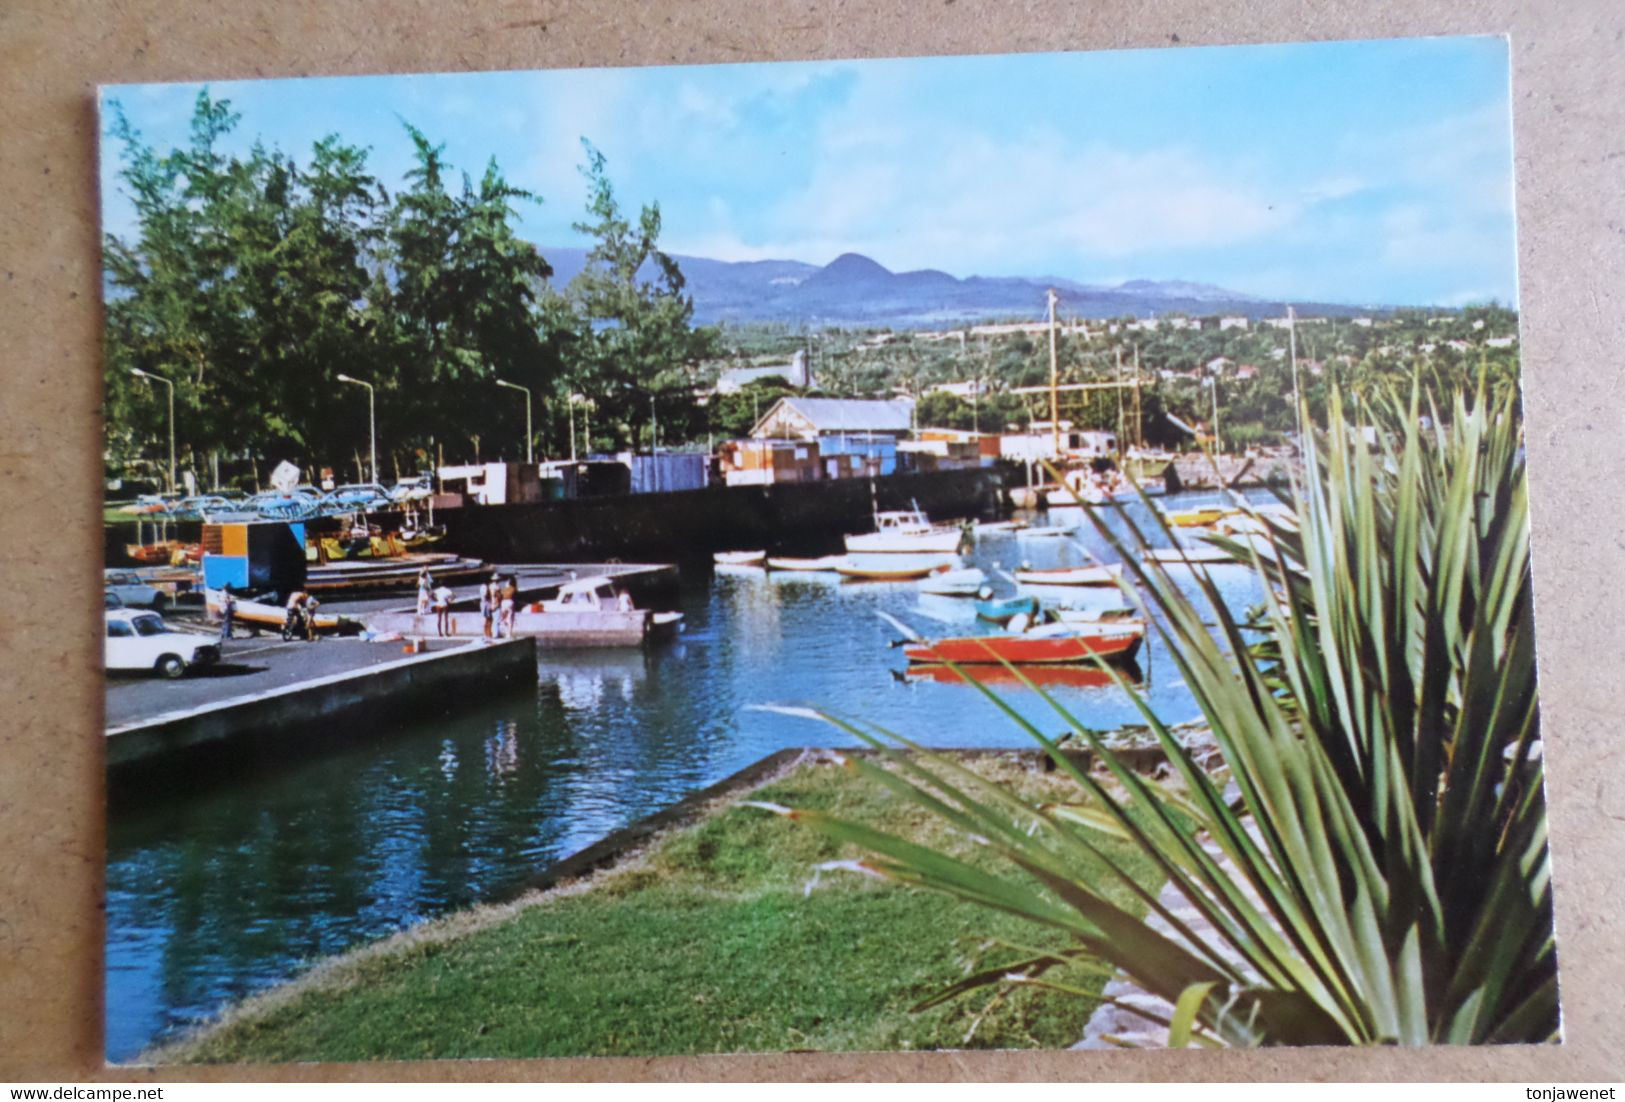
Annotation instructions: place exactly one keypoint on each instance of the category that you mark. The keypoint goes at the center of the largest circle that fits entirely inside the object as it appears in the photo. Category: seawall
(795, 517)
(326, 711)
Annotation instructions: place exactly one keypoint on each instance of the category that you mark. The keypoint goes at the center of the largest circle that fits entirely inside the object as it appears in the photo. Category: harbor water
(251, 878)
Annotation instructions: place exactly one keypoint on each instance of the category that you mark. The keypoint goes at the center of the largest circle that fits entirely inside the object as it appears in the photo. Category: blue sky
(1365, 172)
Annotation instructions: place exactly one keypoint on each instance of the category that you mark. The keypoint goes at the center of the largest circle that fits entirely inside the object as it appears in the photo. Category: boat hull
(1002, 611)
(954, 583)
(1026, 650)
(824, 565)
(739, 558)
(1077, 575)
(889, 568)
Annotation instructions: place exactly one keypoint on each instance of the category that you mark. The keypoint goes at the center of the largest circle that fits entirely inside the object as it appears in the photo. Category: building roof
(831, 415)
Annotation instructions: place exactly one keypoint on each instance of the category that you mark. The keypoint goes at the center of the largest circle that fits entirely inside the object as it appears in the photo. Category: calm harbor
(246, 879)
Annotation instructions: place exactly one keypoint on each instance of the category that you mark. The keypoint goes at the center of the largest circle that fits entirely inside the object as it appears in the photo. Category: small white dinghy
(1094, 574)
(739, 558)
(954, 583)
(1200, 553)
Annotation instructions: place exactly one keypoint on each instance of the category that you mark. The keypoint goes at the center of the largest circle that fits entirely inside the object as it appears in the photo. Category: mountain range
(854, 290)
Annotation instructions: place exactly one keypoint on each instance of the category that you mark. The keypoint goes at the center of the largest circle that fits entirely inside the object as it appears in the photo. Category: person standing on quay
(510, 594)
(442, 610)
(487, 605)
(425, 583)
(228, 609)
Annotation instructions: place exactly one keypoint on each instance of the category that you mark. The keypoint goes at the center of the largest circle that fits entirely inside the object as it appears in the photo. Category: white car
(142, 641)
(130, 589)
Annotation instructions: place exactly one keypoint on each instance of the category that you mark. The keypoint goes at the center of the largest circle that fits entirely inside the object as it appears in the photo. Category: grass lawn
(709, 942)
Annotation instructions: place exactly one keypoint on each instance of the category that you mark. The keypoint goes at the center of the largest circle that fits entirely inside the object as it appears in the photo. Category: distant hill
(854, 290)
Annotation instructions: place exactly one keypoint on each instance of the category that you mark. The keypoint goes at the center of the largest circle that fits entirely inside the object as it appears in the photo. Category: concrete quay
(268, 697)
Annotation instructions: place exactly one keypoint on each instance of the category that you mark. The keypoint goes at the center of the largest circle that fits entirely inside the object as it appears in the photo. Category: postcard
(1018, 551)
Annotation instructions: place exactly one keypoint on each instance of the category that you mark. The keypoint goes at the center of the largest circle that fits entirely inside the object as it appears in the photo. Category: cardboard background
(1569, 105)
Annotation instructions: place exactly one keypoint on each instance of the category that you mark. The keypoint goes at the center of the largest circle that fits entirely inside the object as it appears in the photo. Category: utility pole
(1054, 382)
(160, 379)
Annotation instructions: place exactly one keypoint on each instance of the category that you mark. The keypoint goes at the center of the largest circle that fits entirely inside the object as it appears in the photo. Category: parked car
(142, 641)
(131, 590)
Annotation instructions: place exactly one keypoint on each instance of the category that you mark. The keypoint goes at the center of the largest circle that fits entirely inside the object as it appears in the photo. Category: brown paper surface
(1568, 99)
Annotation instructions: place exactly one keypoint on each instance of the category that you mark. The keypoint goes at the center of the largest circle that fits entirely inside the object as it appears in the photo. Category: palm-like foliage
(1379, 870)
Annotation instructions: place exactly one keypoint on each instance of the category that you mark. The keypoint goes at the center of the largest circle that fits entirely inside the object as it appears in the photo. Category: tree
(636, 337)
(464, 305)
(244, 276)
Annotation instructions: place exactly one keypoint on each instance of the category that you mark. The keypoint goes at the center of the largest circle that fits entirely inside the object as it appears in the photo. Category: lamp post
(529, 454)
(136, 371)
(372, 422)
(571, 404)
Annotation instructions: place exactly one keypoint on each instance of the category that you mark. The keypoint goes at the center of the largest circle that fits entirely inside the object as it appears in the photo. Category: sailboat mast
(1054, 382)
(1292, 345)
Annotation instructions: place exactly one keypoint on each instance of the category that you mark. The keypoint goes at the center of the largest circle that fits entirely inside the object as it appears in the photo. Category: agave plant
(1370, 864)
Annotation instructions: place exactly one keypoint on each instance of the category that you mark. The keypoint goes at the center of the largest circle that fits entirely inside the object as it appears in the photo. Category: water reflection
(234, 888)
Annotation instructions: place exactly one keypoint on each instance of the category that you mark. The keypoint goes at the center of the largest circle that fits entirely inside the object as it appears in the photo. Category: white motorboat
(906, 531)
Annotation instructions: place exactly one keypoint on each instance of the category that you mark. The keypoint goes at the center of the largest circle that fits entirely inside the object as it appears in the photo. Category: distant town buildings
(795, 372)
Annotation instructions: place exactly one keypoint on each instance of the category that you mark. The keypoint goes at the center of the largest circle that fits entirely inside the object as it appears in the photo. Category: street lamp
(372, 422)
(160, 379)
(529, 456)
(571, 404)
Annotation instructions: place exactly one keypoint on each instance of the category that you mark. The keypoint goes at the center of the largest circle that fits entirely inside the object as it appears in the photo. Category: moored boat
(1052, 531)
(739, 558)
(824, 564)
(1053, 643)
(954, 583)
(998, 527)
(1078, 677)
(1199, 517)
(892, 568)
(1000, 610)
(906, 531)
(1204, 553)
(1113, 616)
(1092, 574)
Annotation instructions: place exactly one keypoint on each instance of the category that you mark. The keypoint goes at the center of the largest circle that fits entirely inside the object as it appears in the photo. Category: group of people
(498, 599)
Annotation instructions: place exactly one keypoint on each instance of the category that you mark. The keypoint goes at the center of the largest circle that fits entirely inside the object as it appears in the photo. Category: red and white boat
(1049, 644)
(1077, 677)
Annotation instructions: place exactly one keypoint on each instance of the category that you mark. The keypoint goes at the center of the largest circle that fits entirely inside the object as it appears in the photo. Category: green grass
(709, 944)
